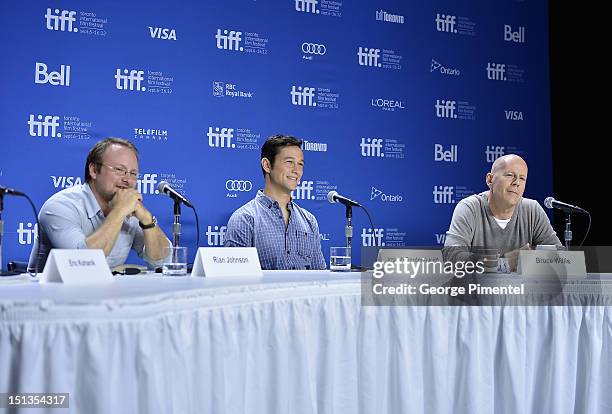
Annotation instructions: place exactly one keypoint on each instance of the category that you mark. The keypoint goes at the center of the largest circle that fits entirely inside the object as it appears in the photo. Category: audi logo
(238, 185)
(313, 48)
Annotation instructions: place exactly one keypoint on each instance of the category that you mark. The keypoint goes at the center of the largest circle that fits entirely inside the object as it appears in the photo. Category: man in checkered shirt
(286, 235)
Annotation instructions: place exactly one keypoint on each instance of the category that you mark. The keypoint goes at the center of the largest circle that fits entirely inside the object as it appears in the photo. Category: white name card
(227, 261)
(77, 266)
(552, 263)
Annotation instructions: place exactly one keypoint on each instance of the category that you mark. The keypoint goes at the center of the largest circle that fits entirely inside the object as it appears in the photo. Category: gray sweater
(473, 225)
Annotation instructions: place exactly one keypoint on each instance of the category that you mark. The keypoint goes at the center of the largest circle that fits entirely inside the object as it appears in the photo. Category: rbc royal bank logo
(307, 6)
(229, 40)
(129, 80)
(302, 96)
(60, 78)
(368, 57)
(443, 194)
(446, 23)
(65, 182)
(44, 126)
(304, 191)
(494, 152)
(27, 233)
(371, 147)
(446, 108)
(220, 137)
(216, 236)
(496, 71)
(372, 237)
(61, 20)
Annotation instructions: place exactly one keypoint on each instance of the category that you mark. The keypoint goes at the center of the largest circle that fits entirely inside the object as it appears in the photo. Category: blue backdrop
(403, 105)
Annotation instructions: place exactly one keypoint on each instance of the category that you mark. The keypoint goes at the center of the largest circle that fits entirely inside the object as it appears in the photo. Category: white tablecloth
(296, 342)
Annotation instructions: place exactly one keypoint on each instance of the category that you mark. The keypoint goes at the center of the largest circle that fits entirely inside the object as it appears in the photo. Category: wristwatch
(152, 224)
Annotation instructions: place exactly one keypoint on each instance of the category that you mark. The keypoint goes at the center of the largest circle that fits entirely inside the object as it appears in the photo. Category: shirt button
(288, 251)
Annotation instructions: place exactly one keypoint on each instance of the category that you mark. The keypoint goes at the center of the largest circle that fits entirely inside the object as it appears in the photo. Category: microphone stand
(348, 230)
(2, 272)
(568, 230)
(176, 226)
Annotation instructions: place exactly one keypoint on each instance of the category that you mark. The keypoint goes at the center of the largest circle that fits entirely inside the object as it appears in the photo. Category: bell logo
(54, 78)
(440, 154)
(65, 182)
(371, 147)
(44, 127)
(303, 191)
(220, 137)
(61, 20)
(368, 57)
(443, 194)
(161, 33)
(517, 37)
(492, 153)
(147, 184)
(445, 23)
(216, 237)
(446, 108)
(372, 238)
(514, 115)
(302, 96)
(496, 71)
(130, 80)
(308, 6)
(229, 40)
(27, 233)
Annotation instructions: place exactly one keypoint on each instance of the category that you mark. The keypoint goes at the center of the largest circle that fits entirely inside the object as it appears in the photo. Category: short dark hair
(97, 152)
(273, 145)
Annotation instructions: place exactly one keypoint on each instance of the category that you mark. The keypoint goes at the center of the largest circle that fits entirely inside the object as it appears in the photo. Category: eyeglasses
(123, 172)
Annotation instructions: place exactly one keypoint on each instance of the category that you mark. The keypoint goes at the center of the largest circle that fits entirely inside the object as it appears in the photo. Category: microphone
(164, 187)
(11, 191)
(334, 197)
(550, 202)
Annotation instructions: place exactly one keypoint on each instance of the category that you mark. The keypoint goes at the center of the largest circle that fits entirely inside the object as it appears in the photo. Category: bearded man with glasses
(106, 212)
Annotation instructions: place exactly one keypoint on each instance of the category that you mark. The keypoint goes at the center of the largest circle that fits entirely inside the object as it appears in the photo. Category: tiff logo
(308, 6)
(440, 238)
(44, 127)
(371, 147)
(496, 71)
(443, 194)
(130, 80)
(61, 20)
(220, 137)
(54, 78)
(65, 182)
(445, 23)
(147, 184)
(372, 238)
(492, 153)
(216, 237)
(446, 108)
(27, 234)
(517, 37)
(229, 40)
(368, 57)
(445, 155)
(303, 191)
(303, 96)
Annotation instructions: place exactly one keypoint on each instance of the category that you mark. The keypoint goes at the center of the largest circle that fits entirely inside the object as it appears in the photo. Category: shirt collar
(91, 204)
(269, 202)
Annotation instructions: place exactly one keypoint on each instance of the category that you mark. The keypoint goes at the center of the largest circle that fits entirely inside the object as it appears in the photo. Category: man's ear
(265, 164)
(489, 179)
(92, 170)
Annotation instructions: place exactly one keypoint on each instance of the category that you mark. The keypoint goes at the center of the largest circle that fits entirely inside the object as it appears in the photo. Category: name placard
(76, 266)
(552, 263)
(227, 261)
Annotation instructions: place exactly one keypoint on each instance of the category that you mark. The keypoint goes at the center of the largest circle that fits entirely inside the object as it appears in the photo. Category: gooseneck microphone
(165, 188)
(334, 197)
(550, 202)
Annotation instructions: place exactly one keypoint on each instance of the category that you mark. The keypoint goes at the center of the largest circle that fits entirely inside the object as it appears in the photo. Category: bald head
(501, 163)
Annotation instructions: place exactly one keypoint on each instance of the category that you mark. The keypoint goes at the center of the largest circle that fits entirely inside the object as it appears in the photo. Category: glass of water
(340, 259)
(175, 261)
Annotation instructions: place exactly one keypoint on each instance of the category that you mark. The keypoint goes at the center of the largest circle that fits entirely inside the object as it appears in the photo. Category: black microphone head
(331, 196)
(548, 202)
(161, 187)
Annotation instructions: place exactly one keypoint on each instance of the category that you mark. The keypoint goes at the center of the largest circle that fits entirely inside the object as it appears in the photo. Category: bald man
(500, 218)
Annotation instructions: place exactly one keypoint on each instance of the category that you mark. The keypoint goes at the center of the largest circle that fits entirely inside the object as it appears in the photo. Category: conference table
(300, 342)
